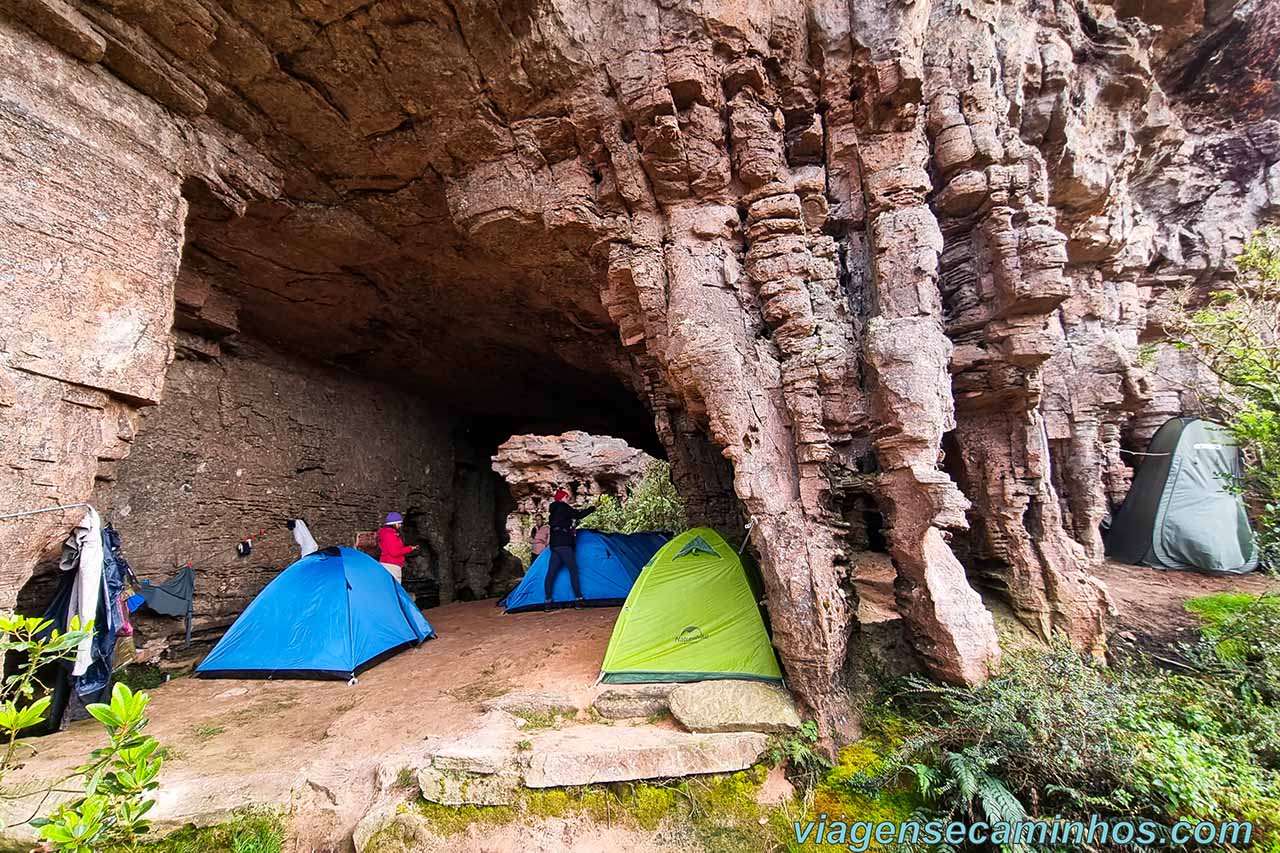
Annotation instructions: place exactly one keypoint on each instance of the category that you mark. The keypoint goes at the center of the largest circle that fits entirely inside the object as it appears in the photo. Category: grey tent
(1179, 513)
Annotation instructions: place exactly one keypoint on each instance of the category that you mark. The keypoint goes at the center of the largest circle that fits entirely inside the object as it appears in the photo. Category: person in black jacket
(562, 518)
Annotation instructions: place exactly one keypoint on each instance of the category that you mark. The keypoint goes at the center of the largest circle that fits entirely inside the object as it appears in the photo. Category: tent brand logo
(691, 635)
(1206, 445)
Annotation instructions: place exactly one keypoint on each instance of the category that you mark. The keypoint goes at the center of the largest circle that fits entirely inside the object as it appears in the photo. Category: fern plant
(805, 763)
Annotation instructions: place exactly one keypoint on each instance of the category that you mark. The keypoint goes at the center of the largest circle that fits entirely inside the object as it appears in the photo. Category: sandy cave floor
(241, 742)
(315, 745)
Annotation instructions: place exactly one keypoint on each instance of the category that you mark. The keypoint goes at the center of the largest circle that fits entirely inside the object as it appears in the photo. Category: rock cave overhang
(999, 191)
(498, 348)
(604, 412)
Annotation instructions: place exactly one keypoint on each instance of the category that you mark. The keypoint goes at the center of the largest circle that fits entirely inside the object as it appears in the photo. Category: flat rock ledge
(733, 706)
(589, 755)
(489, 765)
(522, 704)
(488, 768)
(642, 700)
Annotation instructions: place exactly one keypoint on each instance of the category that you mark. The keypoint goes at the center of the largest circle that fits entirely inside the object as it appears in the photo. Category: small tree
(652, 504)
(111, 789)
(1237, 337)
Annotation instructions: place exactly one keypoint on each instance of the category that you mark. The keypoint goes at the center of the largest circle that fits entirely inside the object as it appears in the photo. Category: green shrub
(1055, 734)
(1237, 337)
(652, 504)
(141, 676)
(117, 780)
(805, 763)
(1044, 727)
(1243, 632)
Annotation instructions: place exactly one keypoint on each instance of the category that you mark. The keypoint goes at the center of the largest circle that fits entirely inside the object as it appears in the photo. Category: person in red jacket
(391, 548)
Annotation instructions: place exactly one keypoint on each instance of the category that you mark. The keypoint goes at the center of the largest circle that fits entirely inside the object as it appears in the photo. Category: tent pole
(750, 524)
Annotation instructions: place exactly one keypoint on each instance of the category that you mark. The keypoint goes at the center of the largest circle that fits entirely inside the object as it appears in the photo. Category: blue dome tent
(329, 615)
(608, 564)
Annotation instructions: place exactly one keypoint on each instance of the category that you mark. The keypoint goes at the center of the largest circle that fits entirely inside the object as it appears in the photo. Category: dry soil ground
(237, 742)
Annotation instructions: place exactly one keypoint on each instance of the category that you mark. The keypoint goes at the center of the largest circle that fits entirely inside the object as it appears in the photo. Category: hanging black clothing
(174, 597)
(71, 694)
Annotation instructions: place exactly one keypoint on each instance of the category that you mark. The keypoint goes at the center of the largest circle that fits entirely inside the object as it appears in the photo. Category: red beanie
(560, 495)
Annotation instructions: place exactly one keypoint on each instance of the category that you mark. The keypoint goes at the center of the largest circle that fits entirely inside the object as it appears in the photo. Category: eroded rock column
(1003, 263)
(908, 353)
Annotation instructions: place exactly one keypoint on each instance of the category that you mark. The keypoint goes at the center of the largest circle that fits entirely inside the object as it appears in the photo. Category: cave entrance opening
(597, 471)
(317, 378)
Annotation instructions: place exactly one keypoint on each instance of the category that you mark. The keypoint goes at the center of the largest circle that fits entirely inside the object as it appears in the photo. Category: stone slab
(587, 755)
(620, 703)
(733, 706)
(525, 702)
(451, 788)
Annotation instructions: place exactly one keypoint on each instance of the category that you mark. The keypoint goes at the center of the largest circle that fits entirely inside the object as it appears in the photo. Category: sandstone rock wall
(92, 229)
(481, 506)
(244, 441)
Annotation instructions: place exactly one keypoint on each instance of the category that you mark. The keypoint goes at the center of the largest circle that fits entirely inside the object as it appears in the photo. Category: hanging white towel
(82, 554)
(301, 535)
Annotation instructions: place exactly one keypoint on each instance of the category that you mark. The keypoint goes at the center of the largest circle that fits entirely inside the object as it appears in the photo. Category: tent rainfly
(608, 564)
(691, 616)
(1179, 513)
(329, 615)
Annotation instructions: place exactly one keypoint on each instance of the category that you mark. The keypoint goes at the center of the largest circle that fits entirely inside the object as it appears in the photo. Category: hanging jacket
(94, 684)
(562, 518)
(302, 535)
(82, 553)
(391, 548)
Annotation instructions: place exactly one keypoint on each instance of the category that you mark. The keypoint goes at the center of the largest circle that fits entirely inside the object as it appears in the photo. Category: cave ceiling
(366, 112)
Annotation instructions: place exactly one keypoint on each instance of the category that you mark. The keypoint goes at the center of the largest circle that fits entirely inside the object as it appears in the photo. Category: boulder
(481, 767)
(618, 754)
(487, 747)
(620, 703)
(386, 829)
(733, 706)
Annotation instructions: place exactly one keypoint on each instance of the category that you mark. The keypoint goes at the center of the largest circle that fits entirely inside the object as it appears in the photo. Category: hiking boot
(546, 607)
(577, 603)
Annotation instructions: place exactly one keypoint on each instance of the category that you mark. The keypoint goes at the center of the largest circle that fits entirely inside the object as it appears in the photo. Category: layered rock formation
(875, 270)
(534, 466)
(245, 441)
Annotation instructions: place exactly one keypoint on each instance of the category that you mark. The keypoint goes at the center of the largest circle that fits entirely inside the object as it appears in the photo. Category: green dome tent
(1178, 513)
(691, 616)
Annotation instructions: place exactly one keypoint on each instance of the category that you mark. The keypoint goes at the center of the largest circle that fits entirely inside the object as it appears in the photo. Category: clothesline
(190, 562)
(27, 512)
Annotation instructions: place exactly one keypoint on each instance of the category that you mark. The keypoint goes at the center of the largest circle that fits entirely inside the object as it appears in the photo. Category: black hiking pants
(562, 555)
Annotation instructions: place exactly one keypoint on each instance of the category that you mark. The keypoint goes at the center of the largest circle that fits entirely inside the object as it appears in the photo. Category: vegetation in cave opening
(1236, 336)
(651, 504)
